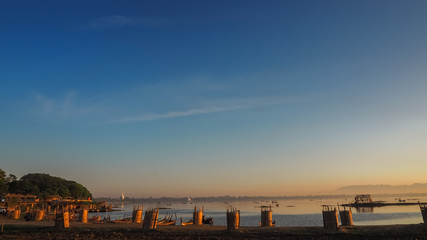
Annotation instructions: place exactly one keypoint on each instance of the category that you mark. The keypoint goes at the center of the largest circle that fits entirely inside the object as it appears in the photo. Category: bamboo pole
(150, 219)
(330, 217)
(233, 219)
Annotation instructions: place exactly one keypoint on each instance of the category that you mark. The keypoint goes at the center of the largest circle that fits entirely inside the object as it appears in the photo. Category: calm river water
(289, 212)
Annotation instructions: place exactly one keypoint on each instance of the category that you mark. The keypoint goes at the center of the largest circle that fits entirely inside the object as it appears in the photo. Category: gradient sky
(204, 98)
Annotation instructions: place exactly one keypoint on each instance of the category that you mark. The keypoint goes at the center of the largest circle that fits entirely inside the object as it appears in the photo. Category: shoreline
(14, 229)
(251, 198)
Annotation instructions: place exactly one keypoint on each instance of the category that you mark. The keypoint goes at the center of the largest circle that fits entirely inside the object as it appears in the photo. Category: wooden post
(83, 215)
(137, 214)
(39, 215)
(16, 215)
(266, 217)
(346, 217)
(198, 216)
(233, 219)
(423, 208)
(330, 218)
(150, 219)
(62, 218)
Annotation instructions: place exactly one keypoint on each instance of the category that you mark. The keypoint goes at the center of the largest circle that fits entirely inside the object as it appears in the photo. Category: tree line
(42, 185)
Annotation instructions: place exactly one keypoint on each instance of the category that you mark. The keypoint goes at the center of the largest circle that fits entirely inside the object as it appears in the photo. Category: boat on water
(379, 204)
(362, 201)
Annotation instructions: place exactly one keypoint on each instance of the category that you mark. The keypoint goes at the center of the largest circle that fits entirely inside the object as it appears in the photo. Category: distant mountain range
(383, 189)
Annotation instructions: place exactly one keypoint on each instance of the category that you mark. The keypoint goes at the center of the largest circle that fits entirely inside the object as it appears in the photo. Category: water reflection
(286, 212)
(364, 209)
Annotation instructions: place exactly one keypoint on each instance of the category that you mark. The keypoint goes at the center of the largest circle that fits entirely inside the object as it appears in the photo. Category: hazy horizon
(374, 189)
(201, 98)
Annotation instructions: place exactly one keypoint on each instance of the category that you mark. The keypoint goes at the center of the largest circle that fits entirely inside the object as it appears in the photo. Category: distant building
(122, 197)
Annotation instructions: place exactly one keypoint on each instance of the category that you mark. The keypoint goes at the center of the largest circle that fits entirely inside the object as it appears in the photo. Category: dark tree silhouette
(43, 185)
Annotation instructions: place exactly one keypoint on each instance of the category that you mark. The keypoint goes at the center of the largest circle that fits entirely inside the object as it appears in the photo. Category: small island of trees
(42, 185)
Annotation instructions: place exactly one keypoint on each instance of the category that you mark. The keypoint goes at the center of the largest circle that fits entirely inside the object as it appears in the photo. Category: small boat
(123, 220)
(167, 223)
(365, 201)
(189, 222)
(167, 220)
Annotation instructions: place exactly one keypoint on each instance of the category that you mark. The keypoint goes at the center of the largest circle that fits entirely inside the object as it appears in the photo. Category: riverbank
(45, 230)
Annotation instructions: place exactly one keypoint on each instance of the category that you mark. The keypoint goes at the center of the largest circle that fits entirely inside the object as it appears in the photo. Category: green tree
(43, 185)
(11, 178)
(3, 182)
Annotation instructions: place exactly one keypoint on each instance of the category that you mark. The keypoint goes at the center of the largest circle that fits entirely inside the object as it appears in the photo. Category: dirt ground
(13, 229)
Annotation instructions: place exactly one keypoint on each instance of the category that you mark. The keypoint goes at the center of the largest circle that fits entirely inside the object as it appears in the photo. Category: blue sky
(202, 98)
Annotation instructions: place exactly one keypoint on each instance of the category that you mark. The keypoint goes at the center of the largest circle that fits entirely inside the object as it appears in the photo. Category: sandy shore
(45, 230)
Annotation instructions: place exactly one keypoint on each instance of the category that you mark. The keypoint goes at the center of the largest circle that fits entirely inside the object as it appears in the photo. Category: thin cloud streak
(174, 114)
(65, 107)
(155, 102)
(246, 104)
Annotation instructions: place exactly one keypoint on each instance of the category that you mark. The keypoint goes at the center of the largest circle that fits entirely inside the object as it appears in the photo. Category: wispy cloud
(164, 100)
(230, 106)
(63, 107)
(174, 114)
